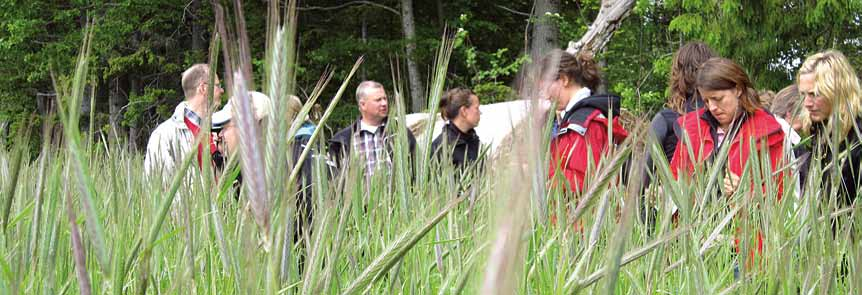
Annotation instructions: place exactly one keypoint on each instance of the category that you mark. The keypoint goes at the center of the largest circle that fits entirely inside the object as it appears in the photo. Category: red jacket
(699, 126)
(583, 134)
(760, 127)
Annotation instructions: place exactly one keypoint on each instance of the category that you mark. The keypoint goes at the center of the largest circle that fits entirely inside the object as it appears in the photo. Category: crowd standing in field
(713, 107)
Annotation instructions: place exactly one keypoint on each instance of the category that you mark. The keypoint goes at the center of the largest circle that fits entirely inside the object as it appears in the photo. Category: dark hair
(453, 100)
(723, 74)
(581, 68)
(683, 69)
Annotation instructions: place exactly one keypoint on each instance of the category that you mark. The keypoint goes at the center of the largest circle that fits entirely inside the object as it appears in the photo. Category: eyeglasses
(216, 85)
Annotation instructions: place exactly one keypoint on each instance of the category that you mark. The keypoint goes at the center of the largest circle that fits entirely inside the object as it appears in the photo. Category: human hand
(731, 183)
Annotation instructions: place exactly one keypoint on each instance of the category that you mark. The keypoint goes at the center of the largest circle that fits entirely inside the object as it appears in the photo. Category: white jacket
(168, 144)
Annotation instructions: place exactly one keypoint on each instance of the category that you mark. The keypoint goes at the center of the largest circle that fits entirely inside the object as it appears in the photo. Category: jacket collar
(577, 97)
(178, 117)
(607, 104)
(456, 136)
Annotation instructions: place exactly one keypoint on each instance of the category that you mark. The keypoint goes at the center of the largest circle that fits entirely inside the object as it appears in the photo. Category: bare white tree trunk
(409, 27)
(545, 30)
(610, 17)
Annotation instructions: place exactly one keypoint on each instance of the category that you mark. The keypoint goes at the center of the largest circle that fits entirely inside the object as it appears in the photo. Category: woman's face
(722, 104)
(471, 113)
(229, 139)
(557, 91)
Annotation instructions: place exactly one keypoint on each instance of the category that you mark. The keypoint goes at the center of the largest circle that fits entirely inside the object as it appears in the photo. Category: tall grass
(82, 218)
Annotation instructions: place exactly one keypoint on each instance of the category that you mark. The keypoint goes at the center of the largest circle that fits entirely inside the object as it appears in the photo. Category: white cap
(261, 104)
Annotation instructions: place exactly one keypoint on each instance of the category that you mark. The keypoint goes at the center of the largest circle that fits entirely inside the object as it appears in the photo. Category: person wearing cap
(223, 125)
(368, 136)
(173, 138)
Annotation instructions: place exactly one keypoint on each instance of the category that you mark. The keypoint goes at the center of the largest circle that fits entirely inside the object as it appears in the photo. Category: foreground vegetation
(82, 218)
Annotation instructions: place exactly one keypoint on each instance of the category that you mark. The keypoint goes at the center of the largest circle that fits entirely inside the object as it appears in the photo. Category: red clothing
(760, 127)
(582, 135)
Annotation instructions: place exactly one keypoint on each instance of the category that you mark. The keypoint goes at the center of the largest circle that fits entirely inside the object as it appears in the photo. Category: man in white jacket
(173, 139)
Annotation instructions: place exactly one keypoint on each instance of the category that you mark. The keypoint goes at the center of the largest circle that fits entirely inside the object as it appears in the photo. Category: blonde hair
(193, 77)
(836, 81)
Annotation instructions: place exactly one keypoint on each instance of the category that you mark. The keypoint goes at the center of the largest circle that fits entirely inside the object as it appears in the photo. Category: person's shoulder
(342, 136)
(162, 130)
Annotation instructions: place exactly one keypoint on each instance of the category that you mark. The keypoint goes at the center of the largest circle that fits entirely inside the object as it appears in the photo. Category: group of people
(713, 106)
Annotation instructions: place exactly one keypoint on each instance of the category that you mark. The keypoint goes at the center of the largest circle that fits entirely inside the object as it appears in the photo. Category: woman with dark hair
(683, 96)
(460, 108)
(732, 116)
(582, 118)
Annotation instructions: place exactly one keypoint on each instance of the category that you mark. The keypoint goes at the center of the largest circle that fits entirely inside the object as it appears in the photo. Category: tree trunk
(134, 89)
(545, 30)
(363, 73)
(441, 16)
(603, 85)
(115, 104)
(409, 27)
(197, 30)
(610, 17)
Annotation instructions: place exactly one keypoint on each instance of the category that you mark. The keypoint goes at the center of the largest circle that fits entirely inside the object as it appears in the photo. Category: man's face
(202, 96)
(818, 107)
(375, 105)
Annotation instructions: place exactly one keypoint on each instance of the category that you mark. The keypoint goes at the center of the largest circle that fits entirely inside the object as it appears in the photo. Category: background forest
(141, 47)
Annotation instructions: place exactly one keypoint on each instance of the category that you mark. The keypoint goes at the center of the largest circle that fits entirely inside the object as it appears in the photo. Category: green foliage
(769, 38)
(493, 92)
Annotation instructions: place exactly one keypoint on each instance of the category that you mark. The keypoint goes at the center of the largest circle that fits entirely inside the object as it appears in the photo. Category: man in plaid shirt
(368, 135)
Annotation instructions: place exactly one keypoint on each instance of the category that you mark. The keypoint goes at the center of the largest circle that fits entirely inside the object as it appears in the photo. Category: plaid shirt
(372, 149)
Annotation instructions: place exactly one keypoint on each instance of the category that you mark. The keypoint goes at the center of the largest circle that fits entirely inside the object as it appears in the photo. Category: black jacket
(463, 147)
(305, 198)
(666, 130)
(342, 142)
(850, 174)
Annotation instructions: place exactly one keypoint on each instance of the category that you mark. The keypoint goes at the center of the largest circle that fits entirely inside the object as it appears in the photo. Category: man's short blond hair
(366, 86)
(193, 77)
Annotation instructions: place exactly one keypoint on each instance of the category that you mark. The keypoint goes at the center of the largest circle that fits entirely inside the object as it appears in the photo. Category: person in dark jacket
(832, 96)
(684, 98)
(368, 136)
(583, 119)
(460, 107)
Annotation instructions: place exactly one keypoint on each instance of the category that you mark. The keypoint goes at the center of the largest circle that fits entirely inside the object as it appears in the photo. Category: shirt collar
(179, 115)
(576, 97)
(369, 128)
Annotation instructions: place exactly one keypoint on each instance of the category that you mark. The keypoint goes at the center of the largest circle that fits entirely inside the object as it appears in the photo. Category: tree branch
(358, 2)
(513, 11)
(610, 17)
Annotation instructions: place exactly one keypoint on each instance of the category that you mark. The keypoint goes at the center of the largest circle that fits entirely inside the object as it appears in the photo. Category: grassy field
(81, 217)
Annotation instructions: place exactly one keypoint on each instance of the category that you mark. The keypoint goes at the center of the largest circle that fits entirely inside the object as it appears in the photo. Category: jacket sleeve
(336, 152)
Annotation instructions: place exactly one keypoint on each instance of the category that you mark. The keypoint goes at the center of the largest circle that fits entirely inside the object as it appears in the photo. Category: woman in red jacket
(733, 115)
(582, 118)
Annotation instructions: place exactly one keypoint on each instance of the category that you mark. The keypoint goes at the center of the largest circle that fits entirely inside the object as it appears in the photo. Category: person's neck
(569, 96)
(371, 122)
(462, 126)
(197, 105)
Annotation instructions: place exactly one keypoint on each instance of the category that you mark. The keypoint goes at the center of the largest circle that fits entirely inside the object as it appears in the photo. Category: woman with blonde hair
(832, 95)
